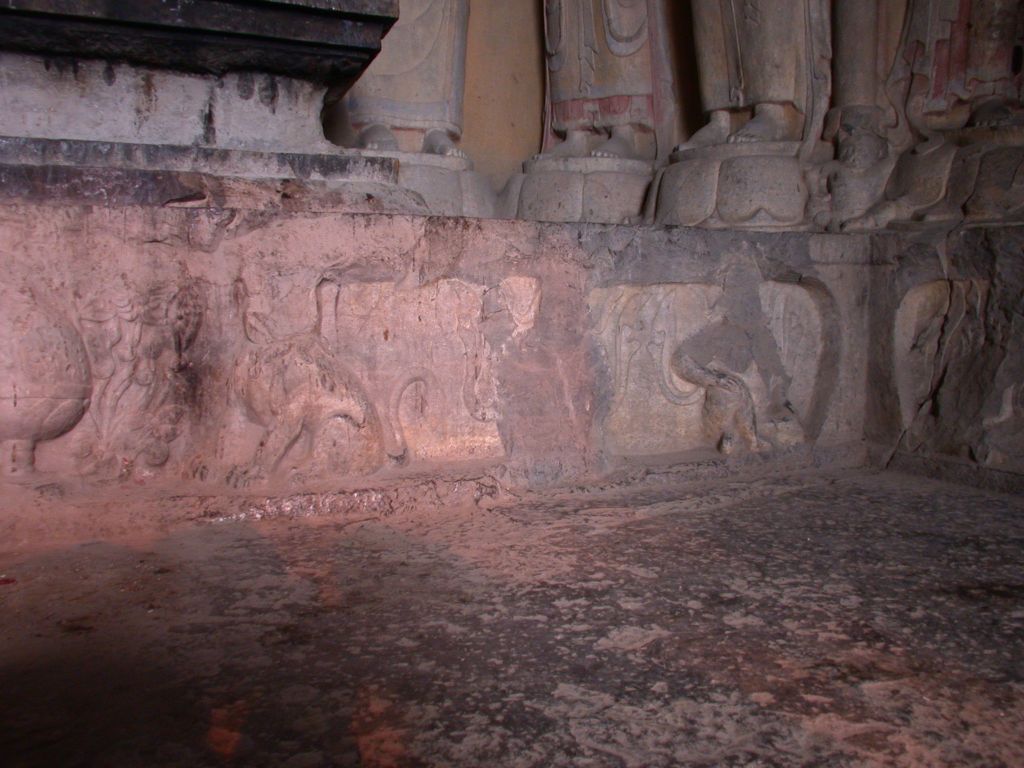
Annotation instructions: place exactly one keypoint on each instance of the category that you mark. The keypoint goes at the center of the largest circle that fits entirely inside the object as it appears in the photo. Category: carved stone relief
(688, 372)
(918, 329)
(857, 178)
(292, 386)
(409, 106)
(796, 324)
(378, 374)
(959, 368)
(766, 86)
(45, 381)
(1003, 442)
(140, 345)
(647, 413)
(429, 365)
(609, 111)
(520, 296)
(959, 127)
(275, 375)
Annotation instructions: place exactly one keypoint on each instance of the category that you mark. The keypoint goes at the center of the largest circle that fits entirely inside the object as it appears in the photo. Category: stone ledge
(56, 186)
(57, 510)
(210, 161)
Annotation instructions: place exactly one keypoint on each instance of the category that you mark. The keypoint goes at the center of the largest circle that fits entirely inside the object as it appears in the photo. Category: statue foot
(716, 132)
(378, 137)
(995, 113)
(437, 142)
(769, 123)
(943, 211)
(878, 217)
(621, 144)
(868, 221)
(574, 145)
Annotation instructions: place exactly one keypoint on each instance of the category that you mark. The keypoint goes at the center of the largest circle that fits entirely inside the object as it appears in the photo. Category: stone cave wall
(206, 296)
(948, 320)
(217, 349)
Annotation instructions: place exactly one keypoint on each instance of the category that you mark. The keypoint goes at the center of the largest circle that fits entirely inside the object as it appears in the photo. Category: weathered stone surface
(951, 359)
(109, 187)
(760, 185)
(274, 340)
(610, 111)
(955, 152)
(765, 80)
(111, 102)
(211, 315)
(609, 79)
(600, 190)
(409, 104)
(441, 185)
(269, 349)
(842, 619)
(45, 377)
(294, 167)
(935, 139)
(416, 83)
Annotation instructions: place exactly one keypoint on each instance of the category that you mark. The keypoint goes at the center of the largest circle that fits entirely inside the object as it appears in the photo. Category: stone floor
(834, 619)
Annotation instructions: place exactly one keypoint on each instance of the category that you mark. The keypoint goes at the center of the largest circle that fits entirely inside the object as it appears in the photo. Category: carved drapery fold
(417, 81)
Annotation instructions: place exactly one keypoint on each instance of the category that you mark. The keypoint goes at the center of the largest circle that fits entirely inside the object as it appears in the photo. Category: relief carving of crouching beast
(291, 386)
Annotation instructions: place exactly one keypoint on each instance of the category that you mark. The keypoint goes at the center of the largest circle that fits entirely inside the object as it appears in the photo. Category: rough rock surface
(842, 619)
(948, 379)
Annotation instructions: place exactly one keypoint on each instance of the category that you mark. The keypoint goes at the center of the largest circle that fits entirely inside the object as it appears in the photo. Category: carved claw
(243, 477)
(399, 458)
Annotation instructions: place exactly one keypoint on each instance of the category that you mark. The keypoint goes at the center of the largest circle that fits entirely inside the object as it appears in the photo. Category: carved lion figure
(291, 386)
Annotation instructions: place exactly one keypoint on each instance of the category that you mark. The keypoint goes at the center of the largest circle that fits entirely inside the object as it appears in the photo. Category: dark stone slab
(206, 160)
(321, 40)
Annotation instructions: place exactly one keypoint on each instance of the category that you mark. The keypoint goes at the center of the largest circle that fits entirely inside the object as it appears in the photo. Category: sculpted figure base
(760, 185)
(609, 113)
(765, 86)
(972, 176)
(602, 190)
(447, 185)
(959, 134)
